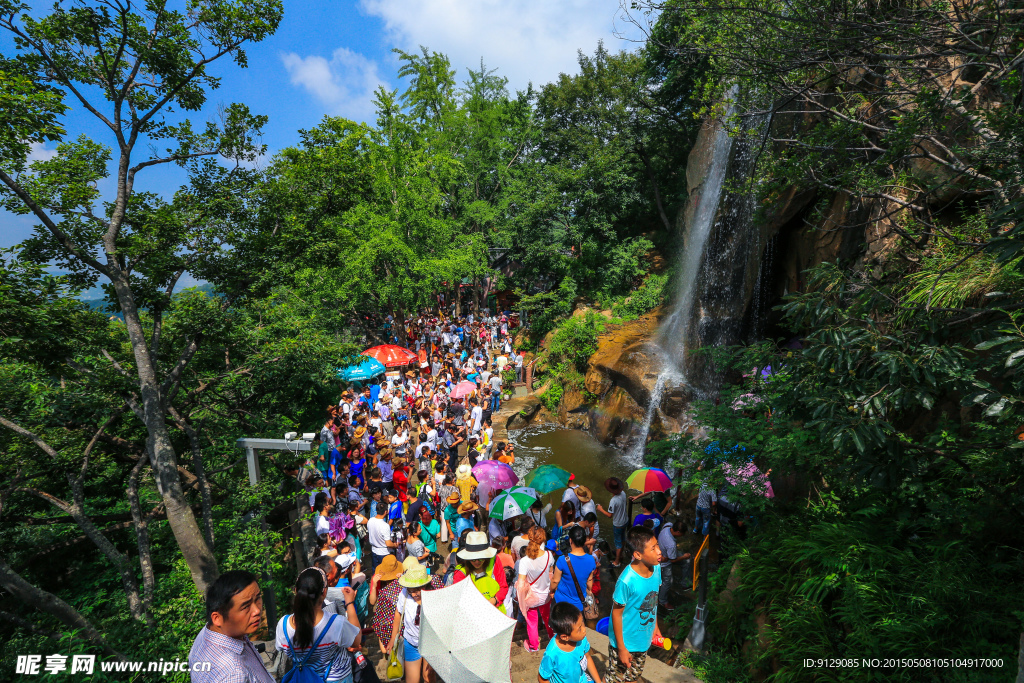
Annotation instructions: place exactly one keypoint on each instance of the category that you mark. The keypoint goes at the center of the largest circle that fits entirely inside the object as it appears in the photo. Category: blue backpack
(300, 673)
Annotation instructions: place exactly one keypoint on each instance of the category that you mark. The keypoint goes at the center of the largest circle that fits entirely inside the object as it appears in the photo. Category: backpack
(300, 673)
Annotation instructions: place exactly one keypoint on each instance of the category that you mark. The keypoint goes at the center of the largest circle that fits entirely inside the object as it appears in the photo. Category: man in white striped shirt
(234, 605)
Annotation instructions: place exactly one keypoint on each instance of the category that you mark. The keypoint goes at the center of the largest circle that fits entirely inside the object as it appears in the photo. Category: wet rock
(614, 416)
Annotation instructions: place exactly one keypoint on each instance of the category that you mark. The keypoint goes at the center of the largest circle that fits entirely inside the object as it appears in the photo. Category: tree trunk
(141, 523)
(200, 559)
(399, 326)
(54, 606)
(197, 462)
(307, 530)
(488, 282)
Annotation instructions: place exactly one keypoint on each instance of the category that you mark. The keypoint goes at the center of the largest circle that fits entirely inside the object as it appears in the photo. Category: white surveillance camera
(308, 436)
(289, 436)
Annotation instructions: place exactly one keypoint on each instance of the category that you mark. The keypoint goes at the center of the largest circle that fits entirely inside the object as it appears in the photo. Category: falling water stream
(672, 336)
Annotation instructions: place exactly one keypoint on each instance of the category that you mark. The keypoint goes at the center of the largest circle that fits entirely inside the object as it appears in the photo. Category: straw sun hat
(584, 494)
(415, 577)
(389, 568)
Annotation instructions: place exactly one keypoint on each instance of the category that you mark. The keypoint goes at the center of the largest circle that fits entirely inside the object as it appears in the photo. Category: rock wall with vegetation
(888, 188)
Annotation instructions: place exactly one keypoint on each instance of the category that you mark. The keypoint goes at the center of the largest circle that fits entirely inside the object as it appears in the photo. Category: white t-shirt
(341, 635)
(407, 607)
(432, 439)
(539, 569)
(379, 533)
(476, 415)
(398, 442)
(570, 495)
(323, 527)
(617, 506)
(668, 544)
(496, 383)
(517, 544)
(591, 506)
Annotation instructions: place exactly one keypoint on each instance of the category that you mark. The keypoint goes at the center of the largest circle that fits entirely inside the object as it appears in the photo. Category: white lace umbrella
(464, 637)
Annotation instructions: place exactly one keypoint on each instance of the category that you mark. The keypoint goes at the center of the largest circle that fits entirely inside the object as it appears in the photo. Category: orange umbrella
(391, 355)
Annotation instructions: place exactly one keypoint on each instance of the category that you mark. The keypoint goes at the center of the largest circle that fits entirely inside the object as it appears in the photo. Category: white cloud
(345, 83)
(526, 40)
(37, 151)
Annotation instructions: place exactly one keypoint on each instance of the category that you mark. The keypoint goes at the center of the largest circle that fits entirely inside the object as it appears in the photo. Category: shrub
(646, 298)
(576, 341)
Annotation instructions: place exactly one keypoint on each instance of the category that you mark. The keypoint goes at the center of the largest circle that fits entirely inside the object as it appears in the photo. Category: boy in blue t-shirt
(567, 657)
(394, 507)
(635, 608)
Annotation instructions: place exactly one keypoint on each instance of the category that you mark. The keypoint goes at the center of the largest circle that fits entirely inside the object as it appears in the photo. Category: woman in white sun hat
(477, 563)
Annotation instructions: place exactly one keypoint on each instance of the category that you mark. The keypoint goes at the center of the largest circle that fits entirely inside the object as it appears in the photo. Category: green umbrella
(512, 503)
(547, 478)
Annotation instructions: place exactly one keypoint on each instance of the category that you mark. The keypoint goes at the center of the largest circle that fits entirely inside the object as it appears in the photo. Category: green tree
(128, 69)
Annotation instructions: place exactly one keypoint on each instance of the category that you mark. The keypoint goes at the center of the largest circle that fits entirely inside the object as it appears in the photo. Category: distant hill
(93, 298)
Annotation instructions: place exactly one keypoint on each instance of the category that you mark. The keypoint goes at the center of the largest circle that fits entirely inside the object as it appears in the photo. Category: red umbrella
(391, 355)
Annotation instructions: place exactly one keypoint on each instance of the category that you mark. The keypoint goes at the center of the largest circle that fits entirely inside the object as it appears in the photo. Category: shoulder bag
(589, 604)
(529, 597)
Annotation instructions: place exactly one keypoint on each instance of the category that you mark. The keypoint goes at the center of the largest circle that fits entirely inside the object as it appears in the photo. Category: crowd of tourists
(397, 511)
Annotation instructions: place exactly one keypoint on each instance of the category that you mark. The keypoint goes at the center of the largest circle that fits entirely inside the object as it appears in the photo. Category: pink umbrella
(493, 476)
(463, 389)
(749, 474)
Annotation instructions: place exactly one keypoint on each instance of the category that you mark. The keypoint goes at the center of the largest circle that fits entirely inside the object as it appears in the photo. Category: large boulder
(622, 373)
(626, 358)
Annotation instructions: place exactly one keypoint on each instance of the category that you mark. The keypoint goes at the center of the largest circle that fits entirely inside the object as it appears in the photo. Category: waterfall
(635, 455)
(722, 271)
(672, 335)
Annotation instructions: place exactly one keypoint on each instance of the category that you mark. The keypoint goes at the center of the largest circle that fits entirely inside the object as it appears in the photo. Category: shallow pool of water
(577, 451)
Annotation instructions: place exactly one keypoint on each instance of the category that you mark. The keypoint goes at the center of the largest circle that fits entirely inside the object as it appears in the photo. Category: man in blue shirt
(634, 608)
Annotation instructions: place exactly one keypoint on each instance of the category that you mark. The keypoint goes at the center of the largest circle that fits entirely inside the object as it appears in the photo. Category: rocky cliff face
(622, 374)
(754, 255)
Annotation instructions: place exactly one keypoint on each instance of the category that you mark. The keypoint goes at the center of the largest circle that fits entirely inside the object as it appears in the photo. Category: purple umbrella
(493, 476)
(749, 474)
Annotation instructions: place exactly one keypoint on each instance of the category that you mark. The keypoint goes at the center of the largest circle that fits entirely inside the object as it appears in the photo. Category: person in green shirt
(451, 515)
(322, 460)
(430, 528)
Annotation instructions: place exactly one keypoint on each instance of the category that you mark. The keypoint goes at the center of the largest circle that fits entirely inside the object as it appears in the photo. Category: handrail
(696, 561)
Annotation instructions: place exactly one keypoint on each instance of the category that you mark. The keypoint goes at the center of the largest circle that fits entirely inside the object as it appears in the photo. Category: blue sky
(327, 58)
